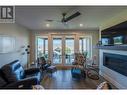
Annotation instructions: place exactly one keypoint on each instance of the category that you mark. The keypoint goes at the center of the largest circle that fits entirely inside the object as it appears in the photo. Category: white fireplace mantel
(114, 77)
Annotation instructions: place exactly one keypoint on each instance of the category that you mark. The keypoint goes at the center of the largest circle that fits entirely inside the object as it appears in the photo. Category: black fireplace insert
(116, 62)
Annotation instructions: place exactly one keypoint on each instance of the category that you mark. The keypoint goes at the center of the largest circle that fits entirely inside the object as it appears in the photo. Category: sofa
(13, 76)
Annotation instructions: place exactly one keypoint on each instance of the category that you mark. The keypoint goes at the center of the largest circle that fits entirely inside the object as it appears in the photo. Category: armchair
(14, 76)
(45, 66)
(21, 84)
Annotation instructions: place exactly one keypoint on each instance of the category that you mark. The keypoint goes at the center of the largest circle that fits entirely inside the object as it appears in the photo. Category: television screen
(118, 40)
(105, 41)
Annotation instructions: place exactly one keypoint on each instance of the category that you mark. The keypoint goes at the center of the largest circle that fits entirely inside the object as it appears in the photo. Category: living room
(57, 33)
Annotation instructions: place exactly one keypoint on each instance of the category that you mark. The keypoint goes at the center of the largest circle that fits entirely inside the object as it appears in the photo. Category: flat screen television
(118, 40)
(105, 41)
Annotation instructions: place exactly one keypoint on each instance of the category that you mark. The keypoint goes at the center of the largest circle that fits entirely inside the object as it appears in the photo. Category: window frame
(90, 44)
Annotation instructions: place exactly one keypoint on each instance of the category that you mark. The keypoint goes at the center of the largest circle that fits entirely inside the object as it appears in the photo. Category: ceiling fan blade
(50, 20)
(72, 16)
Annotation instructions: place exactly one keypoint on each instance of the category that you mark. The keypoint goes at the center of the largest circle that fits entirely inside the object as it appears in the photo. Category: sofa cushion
(13, 71)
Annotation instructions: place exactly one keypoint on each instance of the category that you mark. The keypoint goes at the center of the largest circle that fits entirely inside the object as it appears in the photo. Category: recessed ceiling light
(47, 25)
(81, 25)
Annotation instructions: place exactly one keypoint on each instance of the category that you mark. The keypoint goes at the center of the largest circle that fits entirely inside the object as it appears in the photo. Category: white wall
(21, 36)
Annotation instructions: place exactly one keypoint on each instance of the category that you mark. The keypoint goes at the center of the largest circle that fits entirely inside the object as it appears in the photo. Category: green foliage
(67, 50)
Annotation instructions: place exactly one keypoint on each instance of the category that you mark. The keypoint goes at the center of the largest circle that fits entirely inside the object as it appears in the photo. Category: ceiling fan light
(81, 25)
(47, 25)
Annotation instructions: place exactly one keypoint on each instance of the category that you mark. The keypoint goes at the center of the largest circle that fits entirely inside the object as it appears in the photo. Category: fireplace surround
(115, 62)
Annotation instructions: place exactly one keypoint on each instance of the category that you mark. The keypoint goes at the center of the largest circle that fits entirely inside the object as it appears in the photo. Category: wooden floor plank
(62, 79)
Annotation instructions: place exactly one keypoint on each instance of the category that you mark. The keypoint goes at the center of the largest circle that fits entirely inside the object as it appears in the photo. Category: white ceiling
(33, 17)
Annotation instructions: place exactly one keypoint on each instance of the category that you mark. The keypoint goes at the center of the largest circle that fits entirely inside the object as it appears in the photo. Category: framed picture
(7, 44)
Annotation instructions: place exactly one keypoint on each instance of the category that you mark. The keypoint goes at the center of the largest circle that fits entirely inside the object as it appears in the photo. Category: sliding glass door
(69, 50)
(57, 50)
(62, 49)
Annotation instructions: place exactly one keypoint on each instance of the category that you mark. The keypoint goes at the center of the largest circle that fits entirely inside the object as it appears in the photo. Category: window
(42, 47)
(85, 46)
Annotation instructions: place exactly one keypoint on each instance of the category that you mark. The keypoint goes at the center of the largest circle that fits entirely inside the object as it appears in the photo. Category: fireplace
(115, 62)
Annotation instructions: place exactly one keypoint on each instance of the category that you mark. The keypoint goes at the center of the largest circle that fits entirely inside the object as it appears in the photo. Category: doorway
(63, 47)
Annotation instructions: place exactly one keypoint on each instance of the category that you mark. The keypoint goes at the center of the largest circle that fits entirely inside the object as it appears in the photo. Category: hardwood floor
(62, 79)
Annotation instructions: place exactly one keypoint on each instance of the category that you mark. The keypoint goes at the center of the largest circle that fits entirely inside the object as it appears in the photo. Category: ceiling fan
(65, 19)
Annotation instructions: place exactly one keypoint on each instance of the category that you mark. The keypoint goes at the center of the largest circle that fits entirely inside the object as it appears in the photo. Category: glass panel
(82, 45)
(69, 50)
(57, 50)
(85, 46)
(46, 48)
(42, 47)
